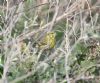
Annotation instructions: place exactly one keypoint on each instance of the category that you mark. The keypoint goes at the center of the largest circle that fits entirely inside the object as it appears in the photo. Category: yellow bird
(48, 41)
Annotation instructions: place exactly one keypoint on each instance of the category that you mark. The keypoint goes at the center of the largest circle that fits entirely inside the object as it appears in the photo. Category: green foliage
(49, 64)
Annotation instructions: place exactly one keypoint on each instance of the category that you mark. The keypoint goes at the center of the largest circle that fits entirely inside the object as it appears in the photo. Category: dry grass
(74, 21)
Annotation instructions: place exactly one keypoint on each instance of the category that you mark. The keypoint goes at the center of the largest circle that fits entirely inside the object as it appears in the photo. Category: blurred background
(49, 41)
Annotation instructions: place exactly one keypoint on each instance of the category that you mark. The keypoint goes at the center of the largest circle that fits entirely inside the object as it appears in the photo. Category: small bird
(24, 48)
(48, 41)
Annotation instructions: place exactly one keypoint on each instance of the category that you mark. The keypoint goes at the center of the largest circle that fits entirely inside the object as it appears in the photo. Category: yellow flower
(48, 41)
